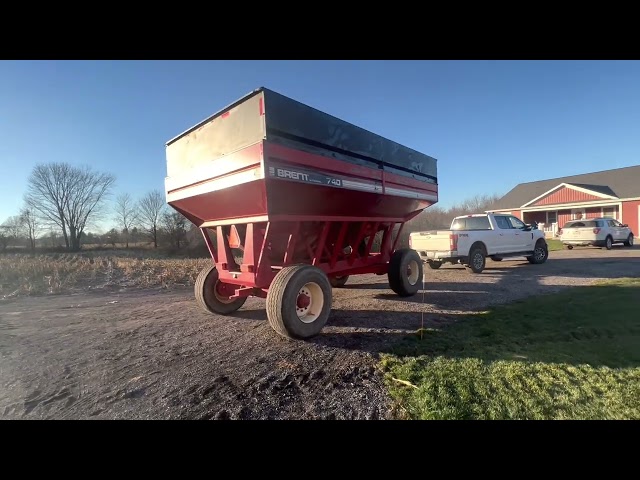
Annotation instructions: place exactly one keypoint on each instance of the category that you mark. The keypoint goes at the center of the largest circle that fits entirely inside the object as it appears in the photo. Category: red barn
(551, 203)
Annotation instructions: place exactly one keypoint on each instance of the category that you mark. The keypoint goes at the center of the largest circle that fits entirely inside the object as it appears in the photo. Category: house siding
(630, 216)
(593, 212)
(563, 217)
(565, 195)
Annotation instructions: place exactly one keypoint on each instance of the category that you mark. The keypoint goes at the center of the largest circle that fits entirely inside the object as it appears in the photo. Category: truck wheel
(338, 282)
(299, 301)
(570, 247)
(540, 253)
(629, 242)
(405, 272)
(608, 243)
(477, 260)
(213, 295)
(434, 265)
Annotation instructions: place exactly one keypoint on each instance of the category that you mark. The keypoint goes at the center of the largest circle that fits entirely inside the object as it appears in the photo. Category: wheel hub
(309, 302)
(223, 291)
(412, 272)
(303, 301)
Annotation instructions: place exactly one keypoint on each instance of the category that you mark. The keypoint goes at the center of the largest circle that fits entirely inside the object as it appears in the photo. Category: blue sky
(490, 124)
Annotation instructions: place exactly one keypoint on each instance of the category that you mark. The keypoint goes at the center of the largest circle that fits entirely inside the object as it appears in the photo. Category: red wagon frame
(313, 241)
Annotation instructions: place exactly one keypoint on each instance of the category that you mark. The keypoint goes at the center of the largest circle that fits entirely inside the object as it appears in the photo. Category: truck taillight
(596, 231)
(453, 241)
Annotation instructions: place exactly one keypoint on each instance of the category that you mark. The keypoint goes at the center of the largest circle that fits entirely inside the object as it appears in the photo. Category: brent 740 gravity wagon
(289, 201)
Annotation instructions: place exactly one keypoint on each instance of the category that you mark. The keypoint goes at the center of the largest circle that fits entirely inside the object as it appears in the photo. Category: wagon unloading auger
(290, 201)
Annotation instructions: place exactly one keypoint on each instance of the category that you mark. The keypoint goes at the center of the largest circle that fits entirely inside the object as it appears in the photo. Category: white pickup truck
(473, 238)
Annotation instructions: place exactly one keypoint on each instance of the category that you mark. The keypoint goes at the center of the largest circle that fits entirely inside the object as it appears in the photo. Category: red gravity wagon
(289, 200)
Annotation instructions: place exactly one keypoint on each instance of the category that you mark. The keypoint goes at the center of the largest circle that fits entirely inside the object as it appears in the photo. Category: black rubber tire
(204, 290)
(629, 242)
(496, 259)
(570, 247)
(338, 282)
(544, 253)
(471, 266)
(608, 242)
(282, 299)
(397, 273)
(434, 265)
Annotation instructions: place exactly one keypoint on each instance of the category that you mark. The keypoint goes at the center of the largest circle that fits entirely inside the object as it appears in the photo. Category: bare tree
(31, 225)
(13, 226)
(134, 234)
(112, 237)
(126, 215)
(435, 218)
(175, 226)
(151, 207)
(9, 231)
(68, 197)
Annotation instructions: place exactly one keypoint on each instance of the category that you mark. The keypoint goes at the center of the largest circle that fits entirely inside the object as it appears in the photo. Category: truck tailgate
(431, 241)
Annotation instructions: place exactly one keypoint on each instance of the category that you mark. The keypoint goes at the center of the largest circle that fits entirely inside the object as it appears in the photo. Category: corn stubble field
(56, 273)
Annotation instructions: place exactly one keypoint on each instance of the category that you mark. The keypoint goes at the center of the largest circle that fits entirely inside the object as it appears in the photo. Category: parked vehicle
(596, 232)
(473, 238)
(289, 201)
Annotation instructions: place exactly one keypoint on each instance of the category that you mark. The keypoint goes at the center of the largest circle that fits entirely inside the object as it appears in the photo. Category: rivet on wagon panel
(292, 201)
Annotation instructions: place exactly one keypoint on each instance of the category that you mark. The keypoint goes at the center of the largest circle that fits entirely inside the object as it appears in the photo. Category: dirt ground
(152, 354)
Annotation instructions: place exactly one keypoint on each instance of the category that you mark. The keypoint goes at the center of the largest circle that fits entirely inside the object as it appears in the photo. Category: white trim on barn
(564, 206)
(572, 187)
(569, 206)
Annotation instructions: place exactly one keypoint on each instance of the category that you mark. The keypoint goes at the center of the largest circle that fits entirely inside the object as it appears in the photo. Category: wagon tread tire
(282, 298)
(338, 282)
(206, 298)
(399, 281)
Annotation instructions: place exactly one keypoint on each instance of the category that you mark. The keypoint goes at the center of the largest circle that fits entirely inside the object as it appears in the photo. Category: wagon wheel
(299, 301)
(213, 295)
(405, 272)
(338, 282)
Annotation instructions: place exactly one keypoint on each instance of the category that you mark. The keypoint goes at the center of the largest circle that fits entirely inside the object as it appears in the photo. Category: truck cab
(473, 238)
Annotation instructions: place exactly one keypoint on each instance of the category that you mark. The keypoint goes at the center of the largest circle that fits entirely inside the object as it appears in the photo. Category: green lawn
(554, 244)
(571, 355)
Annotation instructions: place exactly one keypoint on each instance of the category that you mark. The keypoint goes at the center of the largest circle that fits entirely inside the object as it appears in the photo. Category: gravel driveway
(154, 354)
